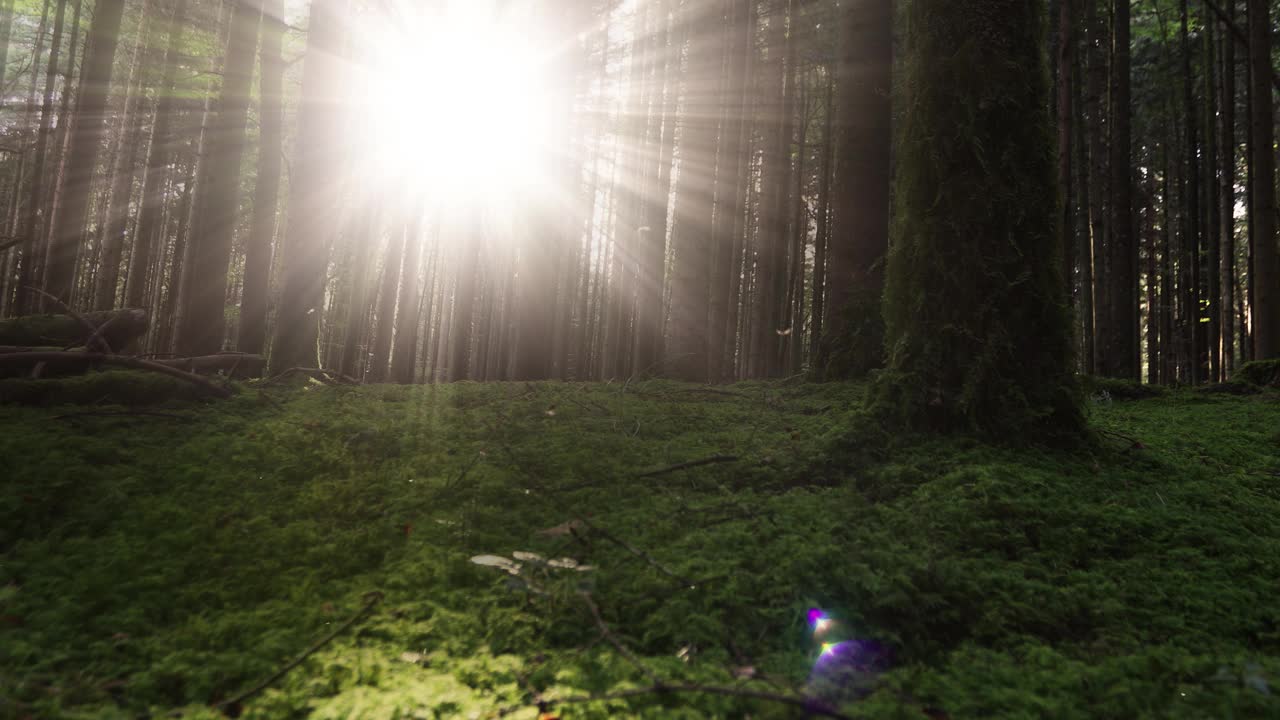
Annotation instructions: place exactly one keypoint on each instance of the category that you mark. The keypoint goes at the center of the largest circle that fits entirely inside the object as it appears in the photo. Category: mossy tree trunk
(978, 330)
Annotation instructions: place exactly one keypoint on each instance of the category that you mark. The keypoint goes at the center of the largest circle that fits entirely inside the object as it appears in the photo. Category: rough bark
(1265, 285)
(975, 308)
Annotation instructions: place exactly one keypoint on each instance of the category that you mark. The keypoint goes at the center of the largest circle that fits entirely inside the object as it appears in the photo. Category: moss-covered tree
(978, 331)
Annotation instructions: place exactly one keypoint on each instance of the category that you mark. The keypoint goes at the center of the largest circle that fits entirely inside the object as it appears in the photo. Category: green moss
(1117, 389)
(977, 330)
(160, 566)
(855, 346)
(1264, 373)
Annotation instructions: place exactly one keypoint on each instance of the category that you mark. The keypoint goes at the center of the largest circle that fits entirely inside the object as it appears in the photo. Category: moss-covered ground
(158, 564)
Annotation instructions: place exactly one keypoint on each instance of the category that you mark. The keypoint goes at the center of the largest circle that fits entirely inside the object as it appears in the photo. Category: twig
(714, 459)
(121, 360)
(1134, 443)
(636, 551)
(122, 413)
(97, 335)
(610, 638)
(811, 706)
(329, 377)
(371, 601)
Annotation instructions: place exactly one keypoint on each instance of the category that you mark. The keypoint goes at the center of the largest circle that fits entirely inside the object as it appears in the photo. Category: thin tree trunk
(1121, 352)
(1227, 256)
(1265, 285)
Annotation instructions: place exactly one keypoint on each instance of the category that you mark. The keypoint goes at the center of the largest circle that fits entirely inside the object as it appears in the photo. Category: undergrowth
(152, 563)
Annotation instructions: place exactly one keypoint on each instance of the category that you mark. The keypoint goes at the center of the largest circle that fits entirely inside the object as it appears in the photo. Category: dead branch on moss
(91, 358)
(713, 460)
(811, 706)
(123, 413)
(328, 377)
(232, 706)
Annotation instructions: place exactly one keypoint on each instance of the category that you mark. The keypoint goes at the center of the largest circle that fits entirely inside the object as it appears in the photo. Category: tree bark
(266, 196)
(1265, 285)
(89, 127)
(313, 198)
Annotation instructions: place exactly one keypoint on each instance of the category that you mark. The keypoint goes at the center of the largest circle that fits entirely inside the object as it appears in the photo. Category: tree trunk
(35, 203)
(1227, 257)
(266, 195)
(860, 200)
(314, 200)
(203, 324)
(686, 351)
(108, 278)
(403, 353)
(975, 307)
(1120, 354)
(381, 356)
(1265, 286)
(89, 127)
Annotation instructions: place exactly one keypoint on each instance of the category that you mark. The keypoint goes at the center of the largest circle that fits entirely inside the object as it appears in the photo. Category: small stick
(122, 413)
(371, 601)
(616, 643)
(714, 459)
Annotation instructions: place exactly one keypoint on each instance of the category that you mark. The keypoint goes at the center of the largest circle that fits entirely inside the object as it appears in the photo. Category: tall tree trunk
(108, 278)
(1265, 287)
(1227, 257)
(1099, 41)
(314, 200)
(266, 194)
(1191, 219)
(150, 229)
(975, 307)
(464, 303)
(686, 351)
(82, 155)
(35, 203)
(728, 199)
(1121, 352)
(778, 78)
(1066, 111)
(380, 358)
(824, 225)
(403, 353)
(203, 324)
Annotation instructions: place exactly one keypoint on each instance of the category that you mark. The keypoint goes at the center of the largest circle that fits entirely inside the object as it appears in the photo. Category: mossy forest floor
(157, 565)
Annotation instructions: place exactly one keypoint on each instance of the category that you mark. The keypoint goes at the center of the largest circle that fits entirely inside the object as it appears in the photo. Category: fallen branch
(90, 327)
(119, 360)
(714, 459)
(610, 638)
(808, 705)
(328, 377)
(232, 706)
(637, 552)
(123, 413)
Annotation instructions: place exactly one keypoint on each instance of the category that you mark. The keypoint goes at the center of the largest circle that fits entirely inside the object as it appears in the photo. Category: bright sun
(457, 102)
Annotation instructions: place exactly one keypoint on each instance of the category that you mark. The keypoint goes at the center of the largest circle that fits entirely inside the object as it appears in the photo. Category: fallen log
(118, 328)
(89, 359)
(235, 365)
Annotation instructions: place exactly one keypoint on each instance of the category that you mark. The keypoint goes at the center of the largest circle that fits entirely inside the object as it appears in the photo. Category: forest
(560, 359)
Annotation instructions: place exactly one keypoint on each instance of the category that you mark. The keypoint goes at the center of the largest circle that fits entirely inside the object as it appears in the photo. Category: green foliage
(160, 566)
(978, 334)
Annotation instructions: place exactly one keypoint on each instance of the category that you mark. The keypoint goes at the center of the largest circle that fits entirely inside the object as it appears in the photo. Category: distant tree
(266, 195)
(976, 317)
(860, 192)
(204, 295)
(314, 200)
(1265, 286)
(88, 130)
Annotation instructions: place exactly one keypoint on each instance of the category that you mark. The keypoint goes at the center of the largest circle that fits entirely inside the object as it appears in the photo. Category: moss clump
(977, 328)
(1263, 373)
